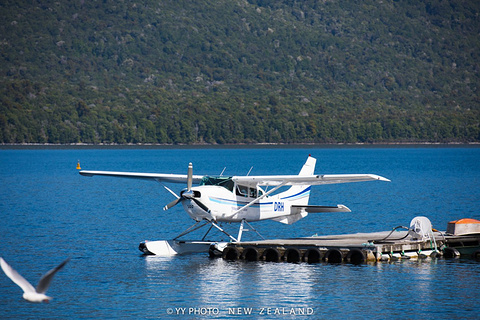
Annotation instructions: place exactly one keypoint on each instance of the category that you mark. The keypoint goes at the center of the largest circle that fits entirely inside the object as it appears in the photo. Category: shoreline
(238, 145)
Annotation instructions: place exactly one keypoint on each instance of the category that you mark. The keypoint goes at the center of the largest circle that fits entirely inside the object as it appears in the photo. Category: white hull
(174, 247)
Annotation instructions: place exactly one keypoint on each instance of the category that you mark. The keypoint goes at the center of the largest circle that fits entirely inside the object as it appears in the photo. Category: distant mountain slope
(238, 71)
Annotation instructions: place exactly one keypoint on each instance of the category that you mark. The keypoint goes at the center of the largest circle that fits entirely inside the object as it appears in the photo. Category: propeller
(186, 194)
(173, 203)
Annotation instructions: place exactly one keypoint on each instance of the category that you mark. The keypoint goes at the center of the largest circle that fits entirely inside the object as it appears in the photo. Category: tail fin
(299, 195)
(309, 167)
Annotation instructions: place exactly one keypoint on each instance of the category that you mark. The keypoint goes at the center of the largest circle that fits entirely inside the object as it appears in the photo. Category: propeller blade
(189, 176)
(169, 190)
(173, 203)
(186, 194)
(201, 205)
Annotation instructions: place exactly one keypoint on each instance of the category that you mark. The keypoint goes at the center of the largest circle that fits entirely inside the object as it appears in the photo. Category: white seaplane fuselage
(227, 205)
(242, 198)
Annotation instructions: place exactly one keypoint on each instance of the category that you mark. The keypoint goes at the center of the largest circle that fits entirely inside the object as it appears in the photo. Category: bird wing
(16, 277)
(44, 282)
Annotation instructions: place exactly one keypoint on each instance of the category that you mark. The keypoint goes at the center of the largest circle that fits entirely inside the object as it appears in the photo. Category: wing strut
(240, 231)
(191, 229)
(205, 222)
(258, 198)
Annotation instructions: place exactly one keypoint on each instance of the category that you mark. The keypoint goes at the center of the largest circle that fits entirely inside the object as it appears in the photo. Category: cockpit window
(225, 182)
(228, 183)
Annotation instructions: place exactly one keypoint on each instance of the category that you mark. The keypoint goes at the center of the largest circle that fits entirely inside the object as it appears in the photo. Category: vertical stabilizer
(309, 167)
(299, 195)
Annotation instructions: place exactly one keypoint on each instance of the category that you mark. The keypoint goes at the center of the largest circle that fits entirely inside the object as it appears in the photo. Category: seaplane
(220, 199)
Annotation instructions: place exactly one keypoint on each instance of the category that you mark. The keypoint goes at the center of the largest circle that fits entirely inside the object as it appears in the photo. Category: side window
(248, 192)
(242, 191)
(260, 192)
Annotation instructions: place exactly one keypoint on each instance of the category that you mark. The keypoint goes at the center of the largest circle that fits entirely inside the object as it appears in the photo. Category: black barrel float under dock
(420, 241)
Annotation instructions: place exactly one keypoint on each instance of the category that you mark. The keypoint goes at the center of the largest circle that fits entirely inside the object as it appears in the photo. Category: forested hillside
(239, 71)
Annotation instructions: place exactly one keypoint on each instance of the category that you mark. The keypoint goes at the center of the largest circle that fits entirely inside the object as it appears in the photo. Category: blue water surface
(48, 212)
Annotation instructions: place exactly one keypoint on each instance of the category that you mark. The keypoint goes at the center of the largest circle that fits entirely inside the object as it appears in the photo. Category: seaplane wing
(292, 180)
(159, 177)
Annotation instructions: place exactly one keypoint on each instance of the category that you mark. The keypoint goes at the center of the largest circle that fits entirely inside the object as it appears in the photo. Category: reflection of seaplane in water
(240, 199)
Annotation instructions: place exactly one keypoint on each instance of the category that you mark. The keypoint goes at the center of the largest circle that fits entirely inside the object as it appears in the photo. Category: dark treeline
(239, 71)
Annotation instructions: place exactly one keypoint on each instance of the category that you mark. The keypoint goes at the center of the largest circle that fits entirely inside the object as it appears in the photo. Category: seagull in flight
(30, 293)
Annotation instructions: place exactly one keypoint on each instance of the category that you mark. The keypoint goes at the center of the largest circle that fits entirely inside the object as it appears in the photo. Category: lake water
(48, 212)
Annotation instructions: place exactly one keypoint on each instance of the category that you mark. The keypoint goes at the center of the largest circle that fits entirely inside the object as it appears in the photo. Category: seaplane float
(237, 199)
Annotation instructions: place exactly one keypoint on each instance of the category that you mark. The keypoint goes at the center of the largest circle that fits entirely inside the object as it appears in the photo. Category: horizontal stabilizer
(319, 209)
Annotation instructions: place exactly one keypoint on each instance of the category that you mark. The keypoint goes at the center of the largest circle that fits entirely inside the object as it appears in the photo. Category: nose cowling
(190, 194)
(196, 209)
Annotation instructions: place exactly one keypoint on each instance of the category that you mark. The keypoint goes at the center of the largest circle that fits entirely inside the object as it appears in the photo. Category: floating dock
(356, 248)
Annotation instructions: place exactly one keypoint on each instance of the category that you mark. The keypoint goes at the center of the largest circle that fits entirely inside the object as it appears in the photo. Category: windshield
(225, 182)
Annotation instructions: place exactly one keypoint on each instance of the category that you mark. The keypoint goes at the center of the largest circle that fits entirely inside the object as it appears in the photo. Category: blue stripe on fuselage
(305, 192)
(236, 203)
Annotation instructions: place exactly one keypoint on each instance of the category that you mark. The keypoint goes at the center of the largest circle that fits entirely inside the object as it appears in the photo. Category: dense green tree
(239, 71)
